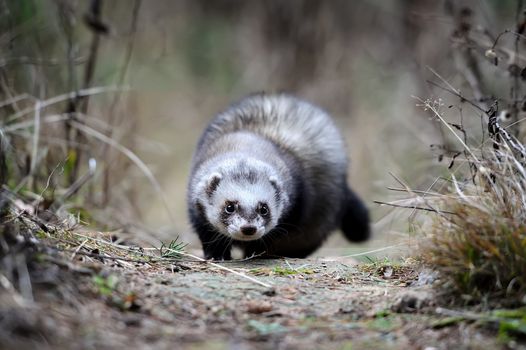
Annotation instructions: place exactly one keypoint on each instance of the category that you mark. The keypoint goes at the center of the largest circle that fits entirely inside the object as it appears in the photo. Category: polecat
(269, 175)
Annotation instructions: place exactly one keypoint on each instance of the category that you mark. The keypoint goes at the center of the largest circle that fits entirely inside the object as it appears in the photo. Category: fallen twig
(252, 279)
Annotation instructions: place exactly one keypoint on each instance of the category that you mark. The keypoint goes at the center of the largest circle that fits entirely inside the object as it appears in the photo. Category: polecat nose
(248, 230)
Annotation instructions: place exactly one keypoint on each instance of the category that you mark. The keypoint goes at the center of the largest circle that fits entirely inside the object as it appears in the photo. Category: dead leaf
(258, 307)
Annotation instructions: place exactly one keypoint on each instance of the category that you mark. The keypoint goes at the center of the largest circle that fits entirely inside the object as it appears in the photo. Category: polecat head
(243, 200)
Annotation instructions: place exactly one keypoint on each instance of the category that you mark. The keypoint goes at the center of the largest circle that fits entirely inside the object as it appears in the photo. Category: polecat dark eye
(230, 208)
(263, 210)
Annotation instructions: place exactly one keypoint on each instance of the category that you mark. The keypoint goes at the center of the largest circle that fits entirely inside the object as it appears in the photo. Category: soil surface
(102, 303)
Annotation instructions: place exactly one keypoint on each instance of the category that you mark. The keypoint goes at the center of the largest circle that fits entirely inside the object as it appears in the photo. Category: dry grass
(64, 143)
(477, 240)
(475, 233)
(480, 248)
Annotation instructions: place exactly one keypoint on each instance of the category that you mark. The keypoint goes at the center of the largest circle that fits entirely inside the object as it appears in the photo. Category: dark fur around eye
(230, 207)
(263, 209)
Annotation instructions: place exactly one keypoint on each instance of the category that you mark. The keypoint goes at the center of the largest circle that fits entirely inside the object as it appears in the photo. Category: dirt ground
(89, 302)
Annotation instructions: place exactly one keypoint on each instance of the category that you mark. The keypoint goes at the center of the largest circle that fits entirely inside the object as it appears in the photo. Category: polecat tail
(355, 218)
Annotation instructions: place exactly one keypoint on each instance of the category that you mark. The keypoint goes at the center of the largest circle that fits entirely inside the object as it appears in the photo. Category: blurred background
(131, 84)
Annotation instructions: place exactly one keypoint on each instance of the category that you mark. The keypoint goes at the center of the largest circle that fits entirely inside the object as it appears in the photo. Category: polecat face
(243, 208)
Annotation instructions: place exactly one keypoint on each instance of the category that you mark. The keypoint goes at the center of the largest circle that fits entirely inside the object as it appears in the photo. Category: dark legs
(216, 246)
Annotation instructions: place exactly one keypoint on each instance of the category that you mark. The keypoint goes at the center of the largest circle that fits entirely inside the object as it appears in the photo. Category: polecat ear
(277, 187)
(282, 198)
(211, 184)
